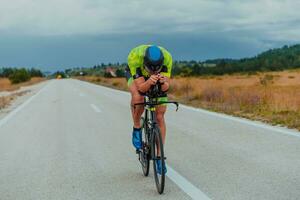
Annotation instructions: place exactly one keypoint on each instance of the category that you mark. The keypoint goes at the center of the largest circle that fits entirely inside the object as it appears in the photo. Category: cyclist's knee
(137, 98)
(160, 113)
(160, 117)
(135, 95)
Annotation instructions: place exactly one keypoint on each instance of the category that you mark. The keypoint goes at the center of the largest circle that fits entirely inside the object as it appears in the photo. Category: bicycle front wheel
(144, 153)
(158, 156)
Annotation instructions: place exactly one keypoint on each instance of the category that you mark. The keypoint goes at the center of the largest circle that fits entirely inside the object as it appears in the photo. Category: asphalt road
(72, 140)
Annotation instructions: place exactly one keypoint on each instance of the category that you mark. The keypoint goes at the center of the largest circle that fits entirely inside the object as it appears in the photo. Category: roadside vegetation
(6, 100)
(19, 75)
(6, 85)
(12, 79)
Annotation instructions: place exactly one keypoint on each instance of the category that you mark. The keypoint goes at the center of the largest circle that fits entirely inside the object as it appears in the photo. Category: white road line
(185, 185)
(96, 109)
(246, 121)
(81, 94)
(20, 107)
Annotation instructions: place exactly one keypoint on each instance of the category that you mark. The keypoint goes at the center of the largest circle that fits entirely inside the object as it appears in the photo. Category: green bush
(107, 75)
(19, 76)
(120, 73)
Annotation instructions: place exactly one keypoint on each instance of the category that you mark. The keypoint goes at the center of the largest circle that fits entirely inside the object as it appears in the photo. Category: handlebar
(155, 91)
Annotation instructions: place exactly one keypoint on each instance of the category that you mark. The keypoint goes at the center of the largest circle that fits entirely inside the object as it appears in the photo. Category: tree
(35, 73)
(120, 73)
(19, 75)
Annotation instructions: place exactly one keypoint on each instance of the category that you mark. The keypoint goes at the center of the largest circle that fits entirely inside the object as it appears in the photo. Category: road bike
(152, 144)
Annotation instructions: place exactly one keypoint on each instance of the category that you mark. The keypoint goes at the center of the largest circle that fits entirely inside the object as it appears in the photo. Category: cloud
(274, 19)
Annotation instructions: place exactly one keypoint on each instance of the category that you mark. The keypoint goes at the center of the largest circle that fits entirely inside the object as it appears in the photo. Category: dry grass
(6, 100)
(117, 83)
(272, 97)
(5, 84)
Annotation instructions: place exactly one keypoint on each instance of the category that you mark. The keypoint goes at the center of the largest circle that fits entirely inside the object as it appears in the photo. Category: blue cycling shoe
(158, 167)
(137, 138)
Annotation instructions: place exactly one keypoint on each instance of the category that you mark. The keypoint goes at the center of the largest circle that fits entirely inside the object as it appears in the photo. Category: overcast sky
(54, 34)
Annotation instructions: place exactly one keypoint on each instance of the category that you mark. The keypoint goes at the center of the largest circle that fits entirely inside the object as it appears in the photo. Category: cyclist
(148, 65)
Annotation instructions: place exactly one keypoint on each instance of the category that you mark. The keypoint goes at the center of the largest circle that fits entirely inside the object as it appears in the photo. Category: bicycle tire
(144, 153)
(157, 140)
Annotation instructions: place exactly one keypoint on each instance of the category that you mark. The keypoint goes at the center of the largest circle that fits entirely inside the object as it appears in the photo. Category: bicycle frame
(150, 108)
(150, 115)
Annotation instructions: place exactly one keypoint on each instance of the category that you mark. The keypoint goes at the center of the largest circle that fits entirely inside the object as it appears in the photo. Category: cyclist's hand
(162, 79)
(153, 79)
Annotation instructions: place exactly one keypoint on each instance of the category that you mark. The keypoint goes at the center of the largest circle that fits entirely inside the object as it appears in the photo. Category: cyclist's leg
(160, 113)
(136, 111)
(136, 97)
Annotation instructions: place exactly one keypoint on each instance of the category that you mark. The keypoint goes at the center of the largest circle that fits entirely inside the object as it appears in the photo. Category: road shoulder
(19, 97)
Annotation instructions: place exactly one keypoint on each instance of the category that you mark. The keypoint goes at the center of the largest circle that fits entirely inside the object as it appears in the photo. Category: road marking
(20, 107)
(96, 109)
(185, 185)
(81, 94)
(246, 121)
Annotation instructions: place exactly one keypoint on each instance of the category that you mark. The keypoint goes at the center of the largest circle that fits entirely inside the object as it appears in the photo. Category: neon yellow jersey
(136, 60)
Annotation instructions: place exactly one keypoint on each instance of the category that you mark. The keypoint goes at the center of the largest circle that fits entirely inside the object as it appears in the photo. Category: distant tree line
(287, 57)
(18, 75)
(102, 69)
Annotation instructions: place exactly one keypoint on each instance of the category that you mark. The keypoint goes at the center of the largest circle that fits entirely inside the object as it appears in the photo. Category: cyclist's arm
(166, 71)
(142, 85)
(167, 66)
(165, 85)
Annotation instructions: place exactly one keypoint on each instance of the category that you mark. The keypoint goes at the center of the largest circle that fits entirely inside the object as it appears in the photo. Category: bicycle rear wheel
(144, 153)
(157, 145)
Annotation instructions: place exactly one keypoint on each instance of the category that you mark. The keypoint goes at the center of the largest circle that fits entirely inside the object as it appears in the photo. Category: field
(5, 84)
(272, 97)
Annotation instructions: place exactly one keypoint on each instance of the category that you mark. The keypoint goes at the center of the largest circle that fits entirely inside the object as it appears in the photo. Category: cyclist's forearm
(165, 86)
(144, 87)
